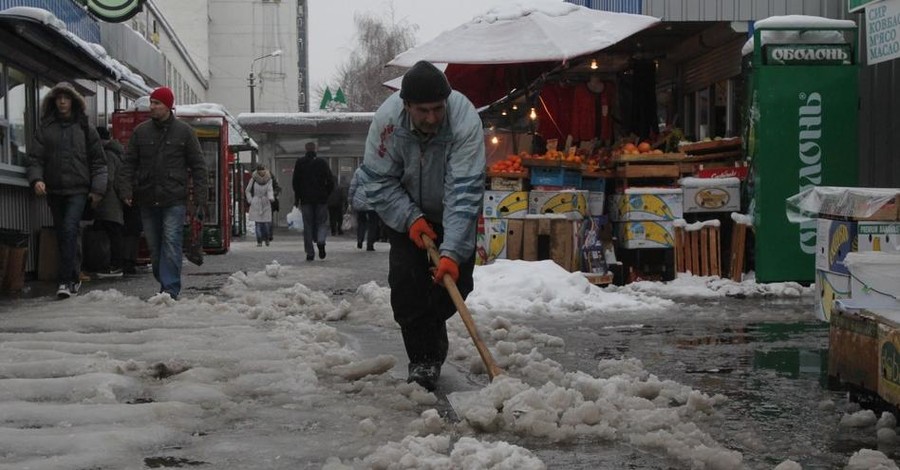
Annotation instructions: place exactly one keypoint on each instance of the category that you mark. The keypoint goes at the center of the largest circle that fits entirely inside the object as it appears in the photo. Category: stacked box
(596, 203)
(490, 242)
(711, 194)
(505, 204)
(647, 204)
(499, 183)
(573, 203)
(834, 239)
(555, 176)
(644, 217)
(879, 236)
(646, 234)
(829, 288)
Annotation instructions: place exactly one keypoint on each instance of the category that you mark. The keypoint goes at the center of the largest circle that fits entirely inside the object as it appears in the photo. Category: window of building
(18, 86)
(4, 124)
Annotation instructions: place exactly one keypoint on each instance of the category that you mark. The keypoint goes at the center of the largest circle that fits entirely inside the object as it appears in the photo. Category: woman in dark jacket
(66, 164)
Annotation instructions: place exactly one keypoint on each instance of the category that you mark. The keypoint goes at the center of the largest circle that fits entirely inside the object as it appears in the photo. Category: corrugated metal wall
(21, 211)
(740, 10)
(879, 121)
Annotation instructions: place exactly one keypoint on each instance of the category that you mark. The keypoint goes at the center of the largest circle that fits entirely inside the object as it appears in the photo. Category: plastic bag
(295, 219)
(349, 222)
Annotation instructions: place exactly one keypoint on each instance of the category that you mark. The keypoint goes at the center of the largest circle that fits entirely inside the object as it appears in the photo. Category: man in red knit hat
(154, 176)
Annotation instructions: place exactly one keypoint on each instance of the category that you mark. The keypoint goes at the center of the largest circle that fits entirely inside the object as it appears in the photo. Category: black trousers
(421, 307)
(367, 226)
(335, 218)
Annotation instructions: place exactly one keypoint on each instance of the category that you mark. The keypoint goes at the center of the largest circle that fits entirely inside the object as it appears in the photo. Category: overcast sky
(331, 29)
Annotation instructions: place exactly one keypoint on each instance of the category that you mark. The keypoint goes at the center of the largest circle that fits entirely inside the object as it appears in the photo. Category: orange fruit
(644, 147)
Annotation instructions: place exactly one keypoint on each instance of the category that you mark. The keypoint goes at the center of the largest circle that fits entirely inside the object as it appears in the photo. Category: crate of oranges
(642, 151)
(555, 158)
(509, 167)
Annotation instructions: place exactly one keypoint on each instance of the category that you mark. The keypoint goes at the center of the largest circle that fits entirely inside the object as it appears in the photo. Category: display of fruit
(510, 164)
(642, 148)
(572, 156)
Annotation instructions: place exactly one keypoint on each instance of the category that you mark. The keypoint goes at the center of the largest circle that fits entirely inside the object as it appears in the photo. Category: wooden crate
(539, 239)
(738, 247)
(698, 251)
(711, 146)
(853, 349)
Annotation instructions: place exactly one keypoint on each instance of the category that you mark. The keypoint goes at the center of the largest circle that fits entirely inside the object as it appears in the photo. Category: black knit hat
(424, 83)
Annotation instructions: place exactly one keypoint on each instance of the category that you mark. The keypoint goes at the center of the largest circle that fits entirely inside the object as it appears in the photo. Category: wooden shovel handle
(492, 369)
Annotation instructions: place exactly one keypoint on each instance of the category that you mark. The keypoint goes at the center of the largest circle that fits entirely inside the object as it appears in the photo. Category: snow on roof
(303, 118)
(237, 136)
(802, 21)
(118, 70)
(333, 123)
(798, 37)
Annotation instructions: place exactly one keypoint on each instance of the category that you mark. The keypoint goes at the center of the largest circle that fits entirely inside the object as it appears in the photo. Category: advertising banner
(882, 31)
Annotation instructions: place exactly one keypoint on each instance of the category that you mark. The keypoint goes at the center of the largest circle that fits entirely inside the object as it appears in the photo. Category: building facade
(43, 42)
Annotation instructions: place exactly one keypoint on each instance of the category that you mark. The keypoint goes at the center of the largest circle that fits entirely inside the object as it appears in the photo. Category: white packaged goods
(874, 279)
(711, 194)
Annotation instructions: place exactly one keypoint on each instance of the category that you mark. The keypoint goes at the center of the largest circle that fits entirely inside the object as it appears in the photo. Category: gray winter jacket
(357, 192)
(441, 178)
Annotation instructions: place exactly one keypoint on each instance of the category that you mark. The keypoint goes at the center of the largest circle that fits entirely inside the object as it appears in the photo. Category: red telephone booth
(220, 140)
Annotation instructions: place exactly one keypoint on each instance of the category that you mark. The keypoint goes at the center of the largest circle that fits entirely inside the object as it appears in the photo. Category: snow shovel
(483, 351)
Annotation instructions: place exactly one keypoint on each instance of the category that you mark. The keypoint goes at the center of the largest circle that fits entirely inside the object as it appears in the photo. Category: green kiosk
(802, 123)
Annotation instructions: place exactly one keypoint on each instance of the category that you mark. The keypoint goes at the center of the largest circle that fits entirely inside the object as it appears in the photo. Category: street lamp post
(252, 78)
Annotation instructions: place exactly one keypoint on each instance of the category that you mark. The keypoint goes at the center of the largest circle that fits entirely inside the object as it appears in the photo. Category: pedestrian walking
(276, 205)
(260, 193)
(109, 216)
(337, 204)
(424, 171)
(368, 224)
(163, 154)
(67, 165)
(313, 183)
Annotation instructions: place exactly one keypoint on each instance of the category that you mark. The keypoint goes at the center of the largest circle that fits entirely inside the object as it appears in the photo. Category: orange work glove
(417, 229)
(446, 266)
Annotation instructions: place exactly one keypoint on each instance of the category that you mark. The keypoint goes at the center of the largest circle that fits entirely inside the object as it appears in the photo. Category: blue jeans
(164, 231)
(315, 226)
(67, 211)
(263, 232)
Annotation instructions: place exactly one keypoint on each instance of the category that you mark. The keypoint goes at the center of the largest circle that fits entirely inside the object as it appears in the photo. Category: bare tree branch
(362, 76)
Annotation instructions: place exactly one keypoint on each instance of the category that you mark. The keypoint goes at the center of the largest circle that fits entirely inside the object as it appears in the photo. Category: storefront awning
(39, 41)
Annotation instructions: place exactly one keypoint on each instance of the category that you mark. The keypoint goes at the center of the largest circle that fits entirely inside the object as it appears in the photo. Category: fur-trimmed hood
(48, 104)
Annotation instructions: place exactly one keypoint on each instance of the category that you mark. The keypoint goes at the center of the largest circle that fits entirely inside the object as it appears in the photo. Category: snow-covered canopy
(117, 70)
(528, 31)
(306, 123)
(777, 31)
(237, 137)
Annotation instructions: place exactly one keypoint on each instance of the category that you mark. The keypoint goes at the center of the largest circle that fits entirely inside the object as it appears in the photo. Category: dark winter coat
(155, 172)
(312, 180)
(66, 154)
(110, 208)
